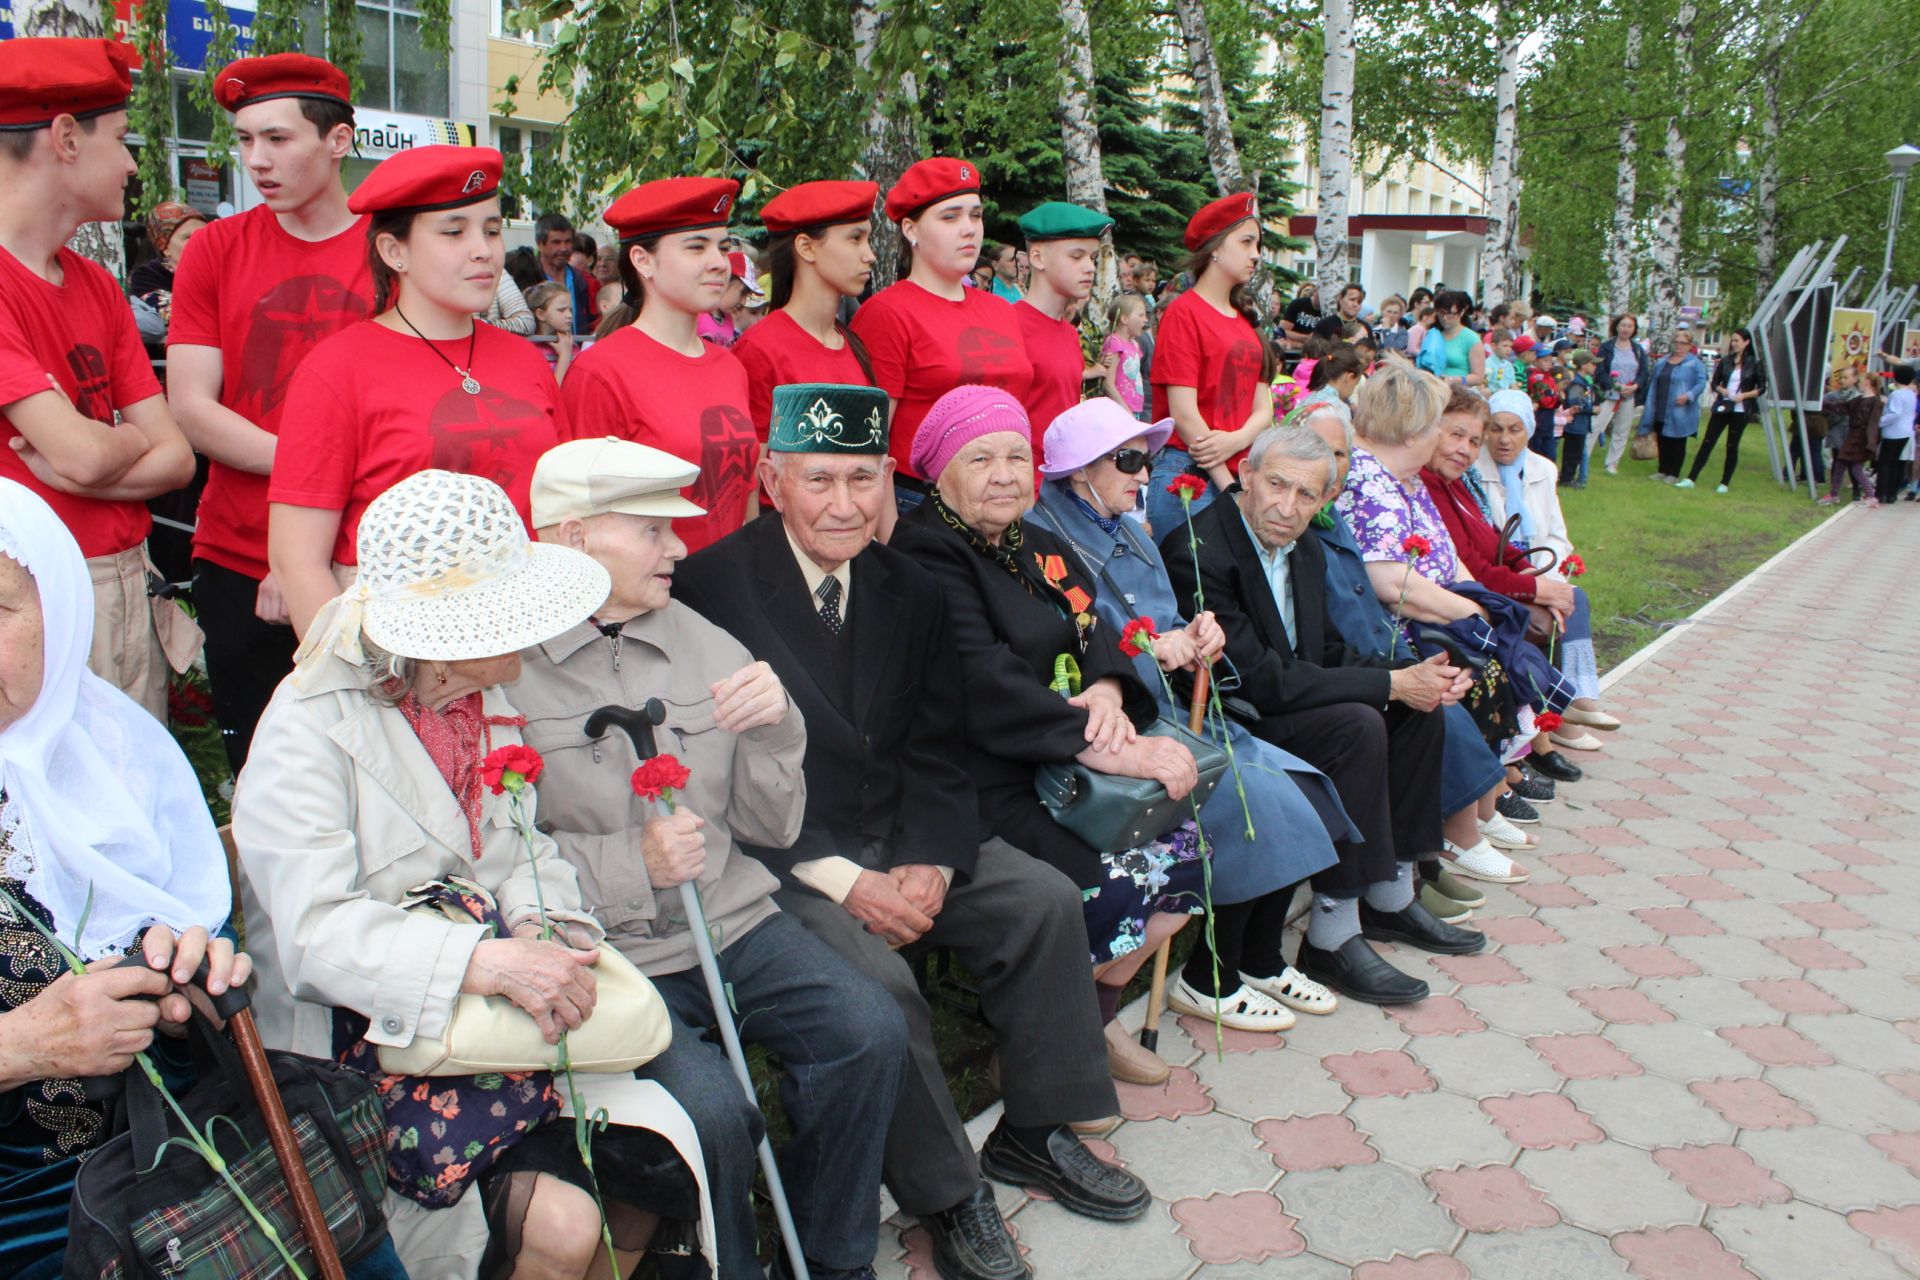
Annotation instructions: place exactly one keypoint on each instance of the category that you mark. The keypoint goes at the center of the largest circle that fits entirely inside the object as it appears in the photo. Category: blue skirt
(1295, 813)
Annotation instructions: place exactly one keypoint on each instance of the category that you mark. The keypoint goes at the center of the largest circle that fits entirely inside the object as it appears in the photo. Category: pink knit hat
(959, 417)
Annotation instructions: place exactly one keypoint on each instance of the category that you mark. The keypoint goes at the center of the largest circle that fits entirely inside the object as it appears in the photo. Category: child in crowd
(1850, 434)
(552, 307)
(1126, 322)
(1503, 371)
(743, 287)
(1577, 404)
(1543, 388)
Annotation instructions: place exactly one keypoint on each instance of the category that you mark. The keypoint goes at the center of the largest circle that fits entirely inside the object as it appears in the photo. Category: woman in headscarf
(101, 823)
(169, 226)
(1096, 465)
(1023, 618)
(363, 796)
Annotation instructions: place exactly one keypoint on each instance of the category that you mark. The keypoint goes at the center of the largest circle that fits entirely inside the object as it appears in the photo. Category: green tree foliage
(150, 113)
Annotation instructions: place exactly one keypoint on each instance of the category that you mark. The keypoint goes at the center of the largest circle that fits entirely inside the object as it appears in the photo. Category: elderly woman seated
(1414, 568)
(1096, 465)
(1023, 617)
(1505, 485)
(365, 795)
(106, 843)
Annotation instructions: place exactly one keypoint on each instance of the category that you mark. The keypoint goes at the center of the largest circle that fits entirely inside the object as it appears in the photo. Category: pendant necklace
(468, 383)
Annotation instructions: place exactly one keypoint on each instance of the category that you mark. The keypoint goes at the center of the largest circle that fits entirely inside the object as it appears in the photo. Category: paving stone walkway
(1694, 1049)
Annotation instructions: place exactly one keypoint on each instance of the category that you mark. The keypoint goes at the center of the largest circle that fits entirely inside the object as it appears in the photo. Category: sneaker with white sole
(1295, 990)
(1504, 834)
(1243, 1009)
(1515, 807)
(1484, 862)
(1444, 909)
(1465, 895)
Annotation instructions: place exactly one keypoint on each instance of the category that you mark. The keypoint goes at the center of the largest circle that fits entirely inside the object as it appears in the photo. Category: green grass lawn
(1655, 553)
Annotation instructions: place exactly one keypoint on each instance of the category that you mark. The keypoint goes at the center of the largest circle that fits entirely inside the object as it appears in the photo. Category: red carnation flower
(1187, 488)
(1548, 723)
(1415, 545)
(659, 777)
(511, 768)
(1574, 566)
(1137, 637)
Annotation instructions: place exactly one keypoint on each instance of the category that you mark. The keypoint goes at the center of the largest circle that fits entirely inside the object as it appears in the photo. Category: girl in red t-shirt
(420, 385)
(819, 250)
(930, 332)
(1212, 371)
(648, 376)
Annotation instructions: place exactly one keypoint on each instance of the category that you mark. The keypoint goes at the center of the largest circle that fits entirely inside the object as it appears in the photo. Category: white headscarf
(99, 798)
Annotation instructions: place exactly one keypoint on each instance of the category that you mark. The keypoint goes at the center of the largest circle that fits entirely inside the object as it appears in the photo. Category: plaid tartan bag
(144, 1208)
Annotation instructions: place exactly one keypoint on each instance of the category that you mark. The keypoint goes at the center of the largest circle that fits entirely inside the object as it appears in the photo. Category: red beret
(819, 204)
(1217, 217)
(929, 182)
(44, 77)
(422, 179)
(280, 75)
(672, 204)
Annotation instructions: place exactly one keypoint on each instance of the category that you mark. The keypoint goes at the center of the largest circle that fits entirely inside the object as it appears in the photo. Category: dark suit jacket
(1008, 640)
(885, 781)
(1275, 677)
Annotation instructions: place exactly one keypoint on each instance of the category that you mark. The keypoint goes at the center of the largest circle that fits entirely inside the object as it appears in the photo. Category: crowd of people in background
(894, 561)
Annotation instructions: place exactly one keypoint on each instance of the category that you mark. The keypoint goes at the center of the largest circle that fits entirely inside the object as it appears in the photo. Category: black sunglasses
(1130, 461)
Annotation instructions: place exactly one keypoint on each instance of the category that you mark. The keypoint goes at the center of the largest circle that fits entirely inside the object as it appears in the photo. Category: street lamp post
(1901, 161)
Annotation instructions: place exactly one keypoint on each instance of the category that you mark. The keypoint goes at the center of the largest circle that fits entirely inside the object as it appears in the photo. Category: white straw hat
(448, 573)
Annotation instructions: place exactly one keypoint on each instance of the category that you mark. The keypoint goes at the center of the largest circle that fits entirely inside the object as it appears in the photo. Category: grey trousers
(1015, 924)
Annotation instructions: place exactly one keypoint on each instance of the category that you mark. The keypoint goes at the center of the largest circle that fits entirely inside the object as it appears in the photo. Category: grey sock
(1395, 894)
(1332, 921)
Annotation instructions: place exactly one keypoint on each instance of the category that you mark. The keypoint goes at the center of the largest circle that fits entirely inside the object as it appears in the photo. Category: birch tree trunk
(1671, 222)
(1625, 184)
(1497, 266)
(1080, 150)
(1223, 156)
(1336, 147)
(80, 19)
(891, 145)
(1766, 187)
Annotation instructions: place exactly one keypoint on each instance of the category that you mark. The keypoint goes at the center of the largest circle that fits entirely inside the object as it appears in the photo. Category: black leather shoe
(1551, 764)
(971, 1241)
(1418, 927)
(1357, 970)
(1069, 1172)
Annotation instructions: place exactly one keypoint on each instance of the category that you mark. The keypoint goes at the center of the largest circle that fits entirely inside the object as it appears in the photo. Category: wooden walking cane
(232, 1005)
(1157, 990)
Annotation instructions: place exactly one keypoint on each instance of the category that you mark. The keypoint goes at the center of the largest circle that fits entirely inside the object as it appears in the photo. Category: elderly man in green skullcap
(891, 858)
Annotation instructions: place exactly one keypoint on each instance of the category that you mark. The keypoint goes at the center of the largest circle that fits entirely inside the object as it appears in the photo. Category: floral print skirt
(1166, 877)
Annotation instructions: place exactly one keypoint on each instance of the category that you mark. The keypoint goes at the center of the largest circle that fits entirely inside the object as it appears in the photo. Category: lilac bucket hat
(1093, 429)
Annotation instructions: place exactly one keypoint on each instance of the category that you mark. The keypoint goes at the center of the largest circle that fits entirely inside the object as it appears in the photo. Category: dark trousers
(1573, 457)
(246, 658)
(1386, 767)
(1544, 442)
(1889, 472)
(1015, 925)
(1819, 462)
(1734, 425)
(1246, 939)
(842, 1044)
(1673, 452)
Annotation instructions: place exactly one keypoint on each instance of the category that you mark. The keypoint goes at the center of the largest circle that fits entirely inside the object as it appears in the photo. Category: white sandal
(1244, 1009)
(1483, 862)
(1295, 990)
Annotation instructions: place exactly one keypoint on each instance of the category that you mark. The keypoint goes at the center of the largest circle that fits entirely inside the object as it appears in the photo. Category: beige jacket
(747, 786)
(337, 814)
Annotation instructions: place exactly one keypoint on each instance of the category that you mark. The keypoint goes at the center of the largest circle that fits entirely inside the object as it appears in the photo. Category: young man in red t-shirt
(1063, 244)
(84, 423)
(249, 302)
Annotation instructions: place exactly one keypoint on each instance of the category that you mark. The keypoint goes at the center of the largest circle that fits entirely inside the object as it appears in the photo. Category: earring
(440, 676)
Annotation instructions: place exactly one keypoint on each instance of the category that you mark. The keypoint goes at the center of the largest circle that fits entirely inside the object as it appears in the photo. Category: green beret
(1058, 220)
(820, 417)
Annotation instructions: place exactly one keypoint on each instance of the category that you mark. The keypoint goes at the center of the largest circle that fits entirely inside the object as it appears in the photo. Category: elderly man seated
(731, 724)
(1370, 722)
(891, 858)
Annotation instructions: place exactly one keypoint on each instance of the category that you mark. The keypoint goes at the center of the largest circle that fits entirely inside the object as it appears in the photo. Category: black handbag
(1111, 813)
(145, 1207)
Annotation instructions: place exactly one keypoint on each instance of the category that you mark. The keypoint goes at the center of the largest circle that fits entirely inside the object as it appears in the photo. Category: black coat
(1008, 640)
(1275, 676)
(886, 784)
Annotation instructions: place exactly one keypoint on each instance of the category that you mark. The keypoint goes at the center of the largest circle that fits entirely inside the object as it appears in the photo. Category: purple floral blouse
(1382, 512)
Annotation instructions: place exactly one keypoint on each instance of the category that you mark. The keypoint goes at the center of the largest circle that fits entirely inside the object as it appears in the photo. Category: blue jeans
(1544, 442)
(843, 1043)
(1164, 511)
